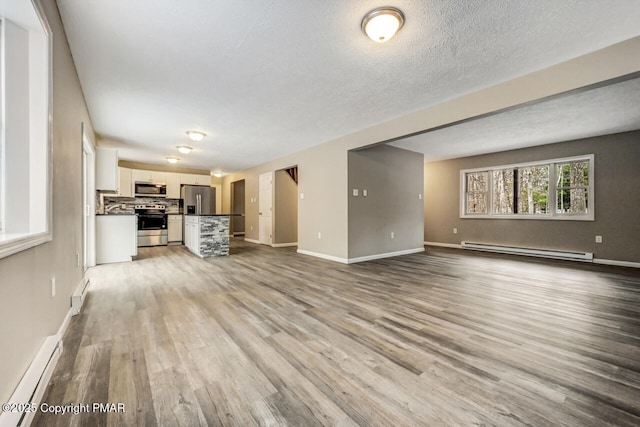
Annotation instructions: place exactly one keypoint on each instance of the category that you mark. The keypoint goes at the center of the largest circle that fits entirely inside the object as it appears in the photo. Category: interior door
(265, 206)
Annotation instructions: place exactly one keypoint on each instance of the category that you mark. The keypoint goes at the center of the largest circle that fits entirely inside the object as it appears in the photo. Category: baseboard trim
(616, 263)
(385, 255)
(323, 256)
(284, 245)
(363, 258)
(77, 299)
(444, 245)
(252, 241)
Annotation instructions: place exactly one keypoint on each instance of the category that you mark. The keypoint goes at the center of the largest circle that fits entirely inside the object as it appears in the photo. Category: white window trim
(552, 215)
(11, 243)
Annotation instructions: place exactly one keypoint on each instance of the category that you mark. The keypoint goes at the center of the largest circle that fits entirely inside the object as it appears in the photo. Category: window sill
(539, 217)
(12, 243)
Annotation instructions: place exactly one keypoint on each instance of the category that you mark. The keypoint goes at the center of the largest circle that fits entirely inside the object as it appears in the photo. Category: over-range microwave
(150, 189)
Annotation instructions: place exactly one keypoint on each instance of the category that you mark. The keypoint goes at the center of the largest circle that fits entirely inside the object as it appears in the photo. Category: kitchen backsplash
(126, 205)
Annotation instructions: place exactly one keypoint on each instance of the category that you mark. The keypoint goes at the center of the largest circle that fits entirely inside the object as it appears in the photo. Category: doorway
(88, 201)
(237, 207)
(265, 208)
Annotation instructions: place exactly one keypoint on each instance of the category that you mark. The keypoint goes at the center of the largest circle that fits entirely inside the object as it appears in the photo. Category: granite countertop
(115, 214)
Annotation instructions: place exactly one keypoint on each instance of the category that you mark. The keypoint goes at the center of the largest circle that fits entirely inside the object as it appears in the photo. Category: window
(25, 49)
(551, 189)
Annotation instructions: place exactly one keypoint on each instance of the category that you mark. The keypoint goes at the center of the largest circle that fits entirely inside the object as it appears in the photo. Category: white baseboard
(616, 263)
(252, 241)
(323, 256)
(385, 255)
(444, 245)
(284, 245)
(360, 259)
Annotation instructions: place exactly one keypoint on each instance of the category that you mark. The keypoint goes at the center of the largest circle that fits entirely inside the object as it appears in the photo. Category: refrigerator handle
(198, 204)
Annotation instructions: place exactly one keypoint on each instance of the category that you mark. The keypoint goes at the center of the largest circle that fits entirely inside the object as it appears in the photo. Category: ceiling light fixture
(172, 159)
(217, 175)
(382, 23)
(195, 135)
(184, 149)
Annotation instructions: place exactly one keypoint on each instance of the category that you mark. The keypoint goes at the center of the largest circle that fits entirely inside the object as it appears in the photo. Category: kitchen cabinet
(139, 175)
(174, 227)
(173, 186)
(107, 169)
(193, 179)
(125, 187)
(116, 238)
(192, 233)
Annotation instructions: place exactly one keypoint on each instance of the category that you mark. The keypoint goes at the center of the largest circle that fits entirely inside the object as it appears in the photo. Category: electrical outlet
(53, 287)
(319, 235)
(302, 195)
(419, 196)
(455, 231)
(598, 239)
(364, 193)
(393, 235)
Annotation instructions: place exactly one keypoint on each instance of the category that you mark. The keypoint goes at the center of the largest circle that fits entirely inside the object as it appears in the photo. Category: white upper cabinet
(126, 184)
(149, 176)
(192, 179)
(173, 185)
(107, 169)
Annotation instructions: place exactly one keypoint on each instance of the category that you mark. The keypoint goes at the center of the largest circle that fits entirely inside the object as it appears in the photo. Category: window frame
(551, 196)
(20, 240)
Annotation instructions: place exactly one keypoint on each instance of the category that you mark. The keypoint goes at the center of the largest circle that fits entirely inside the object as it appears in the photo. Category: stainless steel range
(152, 225)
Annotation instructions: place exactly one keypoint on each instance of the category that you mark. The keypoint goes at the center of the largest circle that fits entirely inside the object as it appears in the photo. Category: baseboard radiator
(517, 250)
(33, 384)
(77, 299)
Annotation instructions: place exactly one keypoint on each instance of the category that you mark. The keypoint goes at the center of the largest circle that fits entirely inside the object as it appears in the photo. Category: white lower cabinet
(192, 233)
(174, 228)
(116, 238)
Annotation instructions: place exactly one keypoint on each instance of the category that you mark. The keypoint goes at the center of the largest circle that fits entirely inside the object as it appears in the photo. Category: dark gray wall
(617, 201)
(393, 179)
(237, 206)
(285, 209)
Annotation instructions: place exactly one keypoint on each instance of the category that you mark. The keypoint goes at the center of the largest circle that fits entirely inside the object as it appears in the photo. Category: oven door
(152, 221)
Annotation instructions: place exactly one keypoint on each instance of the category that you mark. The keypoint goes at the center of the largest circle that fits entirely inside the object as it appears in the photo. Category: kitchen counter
(214, 214)
(207, 235)
(116, 238)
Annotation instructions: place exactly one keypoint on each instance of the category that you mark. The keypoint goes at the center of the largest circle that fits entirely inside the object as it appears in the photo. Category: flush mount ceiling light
(382, 23)
(184, 149)
(172, 159)
(195, 135)
(217, 174)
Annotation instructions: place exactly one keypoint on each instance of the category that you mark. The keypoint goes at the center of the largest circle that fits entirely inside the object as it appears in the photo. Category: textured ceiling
(600, 111)
(268, 78)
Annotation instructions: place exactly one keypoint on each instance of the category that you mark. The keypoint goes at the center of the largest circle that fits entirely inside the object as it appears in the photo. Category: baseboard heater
(32, 385)
(77, 299)
(517, 250)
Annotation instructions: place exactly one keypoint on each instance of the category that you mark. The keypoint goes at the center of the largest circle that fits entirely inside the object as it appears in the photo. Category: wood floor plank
(270, 337)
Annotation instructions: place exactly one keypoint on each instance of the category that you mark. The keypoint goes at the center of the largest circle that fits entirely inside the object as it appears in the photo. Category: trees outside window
(531, 190)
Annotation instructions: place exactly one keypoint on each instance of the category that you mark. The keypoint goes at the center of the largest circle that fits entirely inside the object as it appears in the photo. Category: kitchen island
(207, 235)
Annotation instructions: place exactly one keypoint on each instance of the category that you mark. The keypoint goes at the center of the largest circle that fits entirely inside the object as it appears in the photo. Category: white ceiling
(267, 78)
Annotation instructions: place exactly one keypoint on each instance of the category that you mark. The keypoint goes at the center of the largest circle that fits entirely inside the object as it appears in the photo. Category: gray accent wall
(285, 209)
(617, 201)
(28, 313)
(392, 178)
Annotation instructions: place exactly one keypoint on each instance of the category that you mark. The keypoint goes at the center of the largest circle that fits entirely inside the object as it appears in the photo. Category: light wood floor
(270, 337)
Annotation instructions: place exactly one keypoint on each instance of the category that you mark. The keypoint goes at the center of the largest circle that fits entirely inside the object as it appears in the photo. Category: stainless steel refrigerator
(198, 200)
